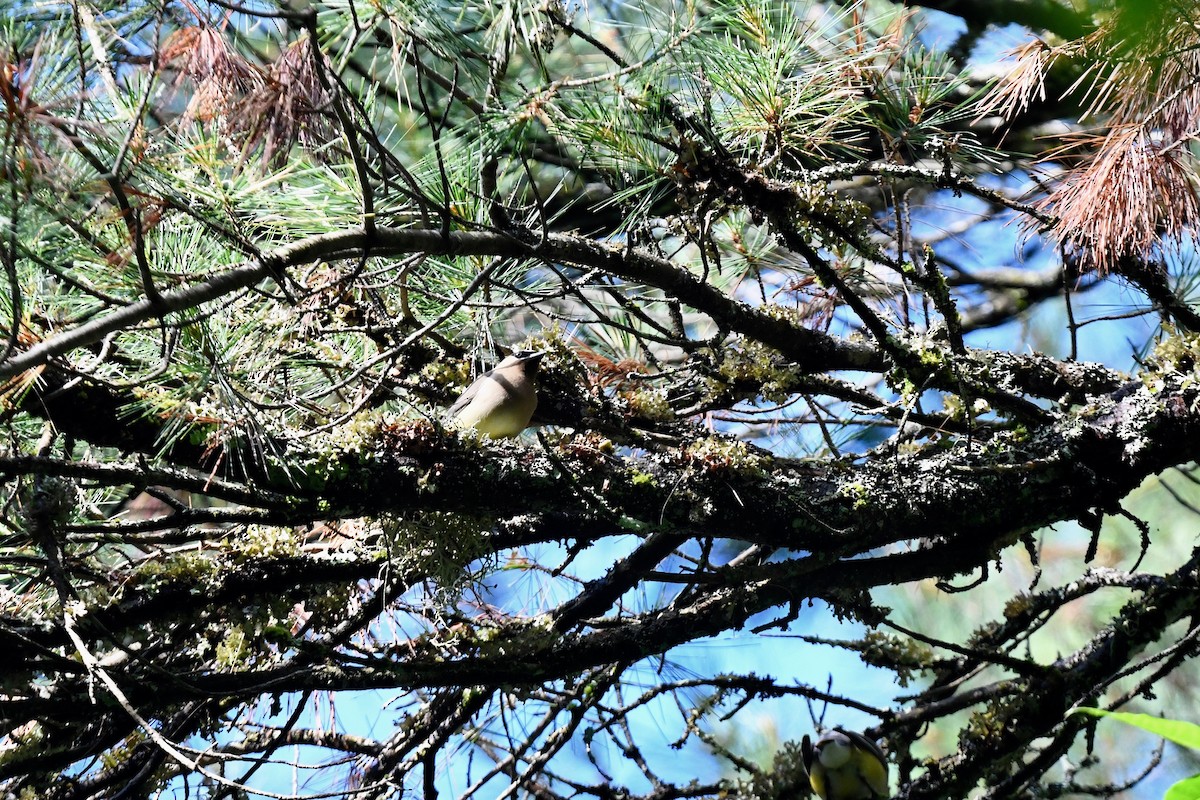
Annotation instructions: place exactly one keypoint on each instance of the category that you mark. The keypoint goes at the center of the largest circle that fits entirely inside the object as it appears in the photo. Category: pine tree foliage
(808, 278)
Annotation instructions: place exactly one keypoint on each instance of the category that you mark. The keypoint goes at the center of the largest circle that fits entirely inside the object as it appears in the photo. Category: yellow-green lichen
(904, 656)
(953, 407)
(986, 724)
(23, 742)
(857, 493)
(444, 372)
(639, 478)
(233, 651)
(438, 545)
(650, 404)
(820, 200)
(1018, 605)
(1176, 359)
(193, 567)
(262, 541)
(714, 454)
(514, 636)
(757, 364)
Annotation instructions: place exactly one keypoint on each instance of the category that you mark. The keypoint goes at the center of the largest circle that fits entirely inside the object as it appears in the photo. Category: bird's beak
(530, 357)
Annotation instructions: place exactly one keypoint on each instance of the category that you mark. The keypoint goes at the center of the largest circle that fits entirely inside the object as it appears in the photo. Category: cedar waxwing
(501, 401)
(844, 765)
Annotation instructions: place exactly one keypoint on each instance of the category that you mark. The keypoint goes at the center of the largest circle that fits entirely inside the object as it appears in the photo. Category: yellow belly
(498, 420)
(849, 783)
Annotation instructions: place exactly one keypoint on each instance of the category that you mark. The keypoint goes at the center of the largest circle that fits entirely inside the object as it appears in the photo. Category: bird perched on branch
(844, 765)
(501, 401)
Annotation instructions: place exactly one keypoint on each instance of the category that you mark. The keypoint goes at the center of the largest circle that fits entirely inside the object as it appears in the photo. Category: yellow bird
(502, 400)
(844, 765)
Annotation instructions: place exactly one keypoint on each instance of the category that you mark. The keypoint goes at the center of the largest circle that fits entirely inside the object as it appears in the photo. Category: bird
(844, 765)
(501, 401)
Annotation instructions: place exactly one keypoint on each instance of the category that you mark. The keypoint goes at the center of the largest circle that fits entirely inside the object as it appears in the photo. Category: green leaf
(1186, 789)
(1184, 733)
